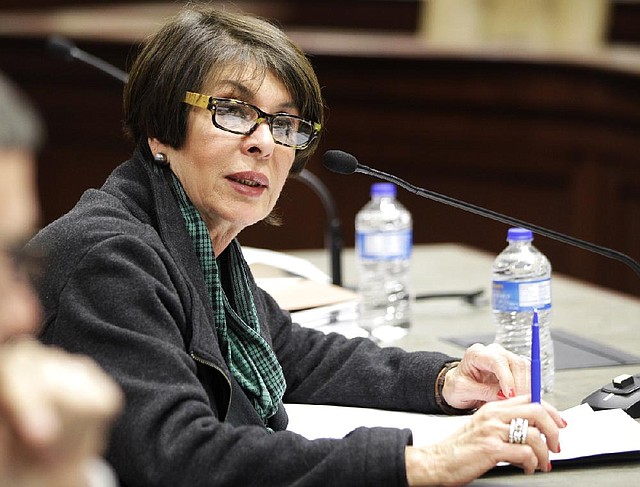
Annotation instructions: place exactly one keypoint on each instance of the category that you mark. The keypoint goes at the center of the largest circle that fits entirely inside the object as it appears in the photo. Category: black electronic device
(622, 392)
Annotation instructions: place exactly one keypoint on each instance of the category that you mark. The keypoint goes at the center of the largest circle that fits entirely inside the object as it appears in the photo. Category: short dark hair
(190, 49)
(20, 124)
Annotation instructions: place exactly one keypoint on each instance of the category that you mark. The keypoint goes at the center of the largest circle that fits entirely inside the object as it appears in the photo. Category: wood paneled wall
(554, 141)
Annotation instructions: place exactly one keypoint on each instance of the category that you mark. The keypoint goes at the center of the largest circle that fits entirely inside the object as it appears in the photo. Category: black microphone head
(61, 46)
(340, 162)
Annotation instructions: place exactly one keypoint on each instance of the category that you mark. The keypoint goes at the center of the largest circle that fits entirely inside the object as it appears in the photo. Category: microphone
(345, 163)
(66, 49)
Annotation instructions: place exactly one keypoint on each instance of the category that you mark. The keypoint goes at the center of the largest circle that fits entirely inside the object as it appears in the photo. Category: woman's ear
(154, 145)
(157, 150)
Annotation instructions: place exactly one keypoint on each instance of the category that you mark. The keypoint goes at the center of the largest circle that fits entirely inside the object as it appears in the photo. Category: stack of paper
(296, 294)
(295, 283)
(300, 287)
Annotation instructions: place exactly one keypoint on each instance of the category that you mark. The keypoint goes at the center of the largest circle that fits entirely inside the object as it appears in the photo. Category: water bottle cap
(383, 189)
(519, 234)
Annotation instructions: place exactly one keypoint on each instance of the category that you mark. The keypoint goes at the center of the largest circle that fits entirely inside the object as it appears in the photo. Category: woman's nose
(261, 140)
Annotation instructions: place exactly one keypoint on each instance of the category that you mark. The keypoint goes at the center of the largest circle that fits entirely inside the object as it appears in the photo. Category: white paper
(588, 432)
(313, 421)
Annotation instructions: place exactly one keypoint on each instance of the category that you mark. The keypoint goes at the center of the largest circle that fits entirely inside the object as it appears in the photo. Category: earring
(161, 159)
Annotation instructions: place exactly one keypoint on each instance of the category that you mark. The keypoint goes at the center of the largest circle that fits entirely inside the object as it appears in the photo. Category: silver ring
(518, 431)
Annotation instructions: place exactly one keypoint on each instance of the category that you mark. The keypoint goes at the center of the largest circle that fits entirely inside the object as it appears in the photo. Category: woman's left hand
(486, 373)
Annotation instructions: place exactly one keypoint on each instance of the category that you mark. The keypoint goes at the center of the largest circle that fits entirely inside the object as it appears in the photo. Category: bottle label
(521, 296)
(384, 245)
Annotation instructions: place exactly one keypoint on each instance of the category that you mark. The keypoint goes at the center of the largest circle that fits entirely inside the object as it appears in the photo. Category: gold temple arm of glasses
(196, 99)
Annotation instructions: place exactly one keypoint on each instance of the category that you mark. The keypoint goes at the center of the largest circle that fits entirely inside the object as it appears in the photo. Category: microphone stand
(65, 48)
(333, 233)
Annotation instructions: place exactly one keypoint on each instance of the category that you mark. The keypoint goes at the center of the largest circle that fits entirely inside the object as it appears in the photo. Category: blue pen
(536, 374)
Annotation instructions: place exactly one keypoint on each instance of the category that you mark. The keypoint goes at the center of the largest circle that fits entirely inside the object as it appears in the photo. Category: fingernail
(564, 422)
(549, 467)
(559, 447)
(512, 393)
(501, 394)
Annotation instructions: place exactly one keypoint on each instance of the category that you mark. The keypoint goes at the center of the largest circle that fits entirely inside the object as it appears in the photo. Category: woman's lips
(249, 182)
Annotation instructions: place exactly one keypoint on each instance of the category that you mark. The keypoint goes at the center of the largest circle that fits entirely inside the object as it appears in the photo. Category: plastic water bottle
(383, 251)
(522, 283)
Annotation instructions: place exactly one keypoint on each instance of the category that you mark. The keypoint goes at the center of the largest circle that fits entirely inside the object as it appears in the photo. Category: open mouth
(247, 182)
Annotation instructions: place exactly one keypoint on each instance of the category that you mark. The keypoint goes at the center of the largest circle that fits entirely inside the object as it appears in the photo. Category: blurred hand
(486, 373)
(55, 413)
(484, 442)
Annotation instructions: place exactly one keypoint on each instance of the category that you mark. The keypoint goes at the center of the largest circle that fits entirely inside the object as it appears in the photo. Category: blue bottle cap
(381, 190)
(519, 234)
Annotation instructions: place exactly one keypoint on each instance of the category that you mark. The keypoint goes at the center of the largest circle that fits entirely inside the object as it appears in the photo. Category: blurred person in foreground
(55, 408)
(147, 276)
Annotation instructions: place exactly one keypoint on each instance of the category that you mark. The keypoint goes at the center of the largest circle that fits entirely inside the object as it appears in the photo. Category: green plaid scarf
(249, 357)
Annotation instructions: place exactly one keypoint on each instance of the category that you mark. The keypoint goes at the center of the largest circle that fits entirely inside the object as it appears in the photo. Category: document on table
(589, 434)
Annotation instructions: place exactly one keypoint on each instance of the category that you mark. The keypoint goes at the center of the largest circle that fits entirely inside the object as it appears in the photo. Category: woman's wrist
(417, 472)
(427, 465)
(442, 382)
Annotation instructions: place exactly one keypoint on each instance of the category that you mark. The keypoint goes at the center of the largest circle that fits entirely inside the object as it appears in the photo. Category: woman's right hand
(484, 442)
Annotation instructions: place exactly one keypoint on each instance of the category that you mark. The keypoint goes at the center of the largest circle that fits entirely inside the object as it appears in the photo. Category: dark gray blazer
(124, 286)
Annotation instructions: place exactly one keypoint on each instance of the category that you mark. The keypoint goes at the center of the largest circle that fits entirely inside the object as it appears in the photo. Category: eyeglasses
(239, 117)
